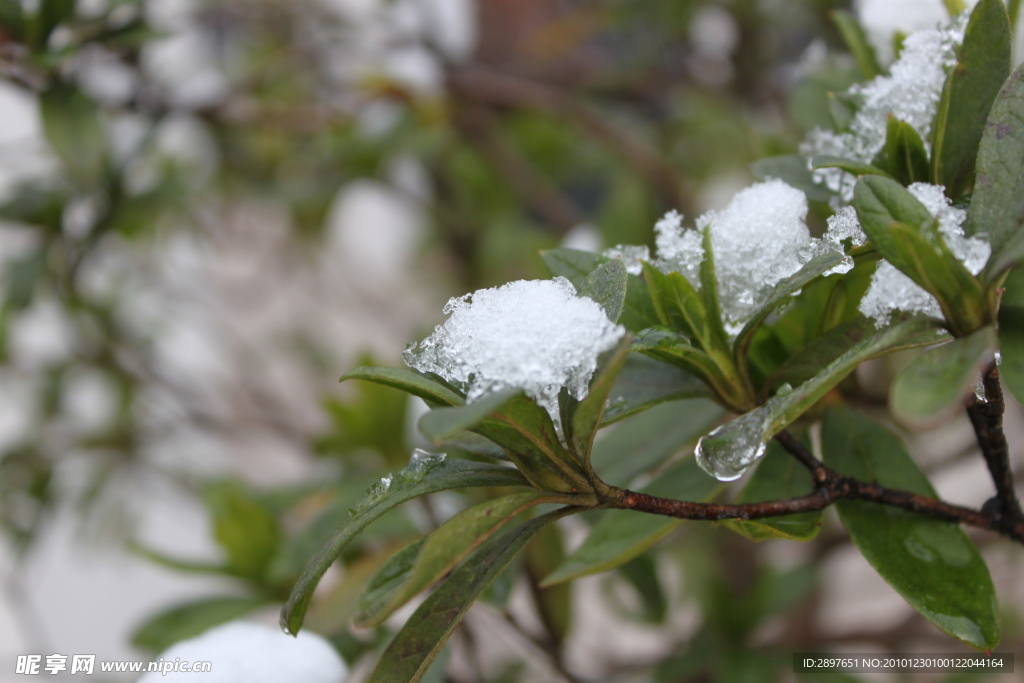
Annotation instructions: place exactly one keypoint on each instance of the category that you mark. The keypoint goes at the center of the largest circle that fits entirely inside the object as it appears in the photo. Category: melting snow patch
(892, 291)
(534, 335)
(972, 251)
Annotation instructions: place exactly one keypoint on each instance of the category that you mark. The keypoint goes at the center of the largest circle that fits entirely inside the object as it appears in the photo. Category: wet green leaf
(410, 381)
(778, 476)
(997, 204)
(189, 620)
(905, 153)
(938, 380)
(411, 651)
(443, 476)
(622, 535)
(410, 572)
(606, 285)
(881, 203)
(931, 563)
(983, 63)
(573, 264)
(443, 423)
(644, 383)
(587, 417)
(857, 168)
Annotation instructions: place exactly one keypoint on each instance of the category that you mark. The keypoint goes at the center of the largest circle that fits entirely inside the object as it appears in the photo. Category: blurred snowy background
(213, 208)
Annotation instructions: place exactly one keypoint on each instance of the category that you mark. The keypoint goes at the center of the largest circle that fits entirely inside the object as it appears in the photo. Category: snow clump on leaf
(910, 93)
(534, 335)
(630, 255)
(891, 290)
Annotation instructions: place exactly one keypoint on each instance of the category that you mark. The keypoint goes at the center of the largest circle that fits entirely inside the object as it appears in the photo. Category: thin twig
(987, 419)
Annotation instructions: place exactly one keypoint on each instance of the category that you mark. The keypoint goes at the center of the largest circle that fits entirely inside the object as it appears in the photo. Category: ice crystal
(972, 251)
(891, 291)
(534, 335)
(679, 250)
(910, 93)
(630, 255)
(844, 225)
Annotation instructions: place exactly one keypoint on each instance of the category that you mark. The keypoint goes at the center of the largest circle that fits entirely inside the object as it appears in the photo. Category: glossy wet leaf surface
(931, 563)
(644, 383)
(938, 381)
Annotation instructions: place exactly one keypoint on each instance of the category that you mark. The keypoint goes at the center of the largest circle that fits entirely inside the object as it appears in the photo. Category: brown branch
(987, 418)
(500, 89)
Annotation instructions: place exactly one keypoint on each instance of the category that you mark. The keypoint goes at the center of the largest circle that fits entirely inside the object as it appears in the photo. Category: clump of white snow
(843, 225)
(679, 250)
(892, 291)
(910, 93)
(759, 239)
(972, 251)
(534, 335)
(241, 652)
(630, 255)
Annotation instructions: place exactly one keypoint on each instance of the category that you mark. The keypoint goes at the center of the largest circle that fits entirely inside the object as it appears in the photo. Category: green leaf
(649, 439)
(933, 266)
(679, 305)
(937, 381)
(243, 527)
(857, 168)
(622, 535)
(983, 63)
(590, 411)
(443, 423)
(573, 264)
(997, 204)
(931, 563)
(813, 358)
(606, 285)
(793, 170)
(71, 123)
(728, 451)
(189, 620)
(1011, 334)
(908, 160)
(778, 476)
(857, 42)
(443, 476)
(785, 289)
(644, 383)
(880, 204)
(409, 381)
(411, 651)
(543, 554)
(409, 573)
(716, 336)
(638, 313)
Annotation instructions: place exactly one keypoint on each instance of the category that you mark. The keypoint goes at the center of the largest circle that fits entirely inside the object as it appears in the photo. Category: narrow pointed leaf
(411, 651)
(778, 476)
(443, 423)
(857, 168)
(1011, 334)
(622, 535)
(644, 383)
(647, 440)
(908, 160)
(881, 203)
(191, 619)
(997, 204)
(443, 549)
(857, 42)
(606, 285)
(931, 563)
(589, 412)
(937, 381)
(409, 381)
(982, 67)
(443, 476)
(638, 312)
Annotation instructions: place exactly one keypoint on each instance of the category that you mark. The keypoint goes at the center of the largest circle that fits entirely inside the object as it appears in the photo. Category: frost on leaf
(910, 92)
(534, 335)
(892, 291)
(679, 250)
(630, 255)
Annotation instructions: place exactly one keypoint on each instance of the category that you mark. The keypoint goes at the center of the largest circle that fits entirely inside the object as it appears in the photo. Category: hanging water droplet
(729, 450)
(786, 388)
(999, 358)
(420, 464)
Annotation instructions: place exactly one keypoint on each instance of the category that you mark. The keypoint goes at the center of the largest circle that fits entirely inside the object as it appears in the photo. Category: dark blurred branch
(987, 418)
(499, 89)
